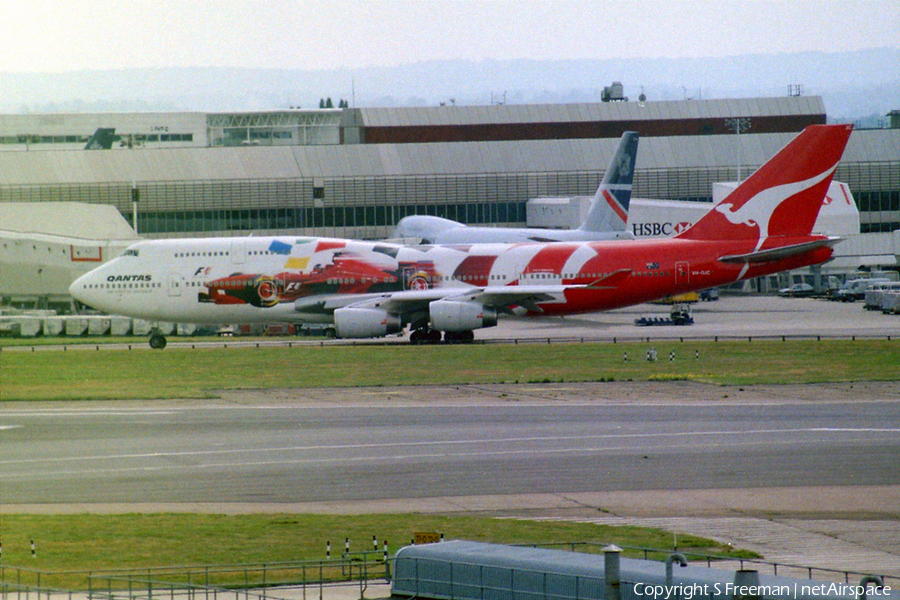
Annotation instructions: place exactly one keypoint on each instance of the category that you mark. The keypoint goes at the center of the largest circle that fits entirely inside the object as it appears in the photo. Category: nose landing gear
(157, 340)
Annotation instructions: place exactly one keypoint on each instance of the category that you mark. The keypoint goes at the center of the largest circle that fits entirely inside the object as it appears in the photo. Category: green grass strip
(91, 542)
(200, 373)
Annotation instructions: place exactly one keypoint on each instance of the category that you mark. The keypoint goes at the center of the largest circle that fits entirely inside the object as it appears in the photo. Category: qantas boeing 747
(371, 289)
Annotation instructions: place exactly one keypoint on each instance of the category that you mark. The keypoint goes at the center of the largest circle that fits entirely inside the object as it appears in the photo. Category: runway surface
(377, 444)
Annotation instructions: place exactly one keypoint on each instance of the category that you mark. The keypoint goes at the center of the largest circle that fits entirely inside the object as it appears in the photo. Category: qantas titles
(129, 278)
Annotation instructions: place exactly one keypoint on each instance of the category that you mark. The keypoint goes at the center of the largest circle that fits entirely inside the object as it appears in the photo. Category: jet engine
(452, 315)
(355, 322)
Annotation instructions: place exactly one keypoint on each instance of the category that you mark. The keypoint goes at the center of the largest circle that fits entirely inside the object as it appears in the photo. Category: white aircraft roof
(65, 219)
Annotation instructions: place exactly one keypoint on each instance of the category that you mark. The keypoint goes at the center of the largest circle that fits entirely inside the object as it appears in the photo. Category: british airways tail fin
(102, 139)
(609, 208)
(782, 198)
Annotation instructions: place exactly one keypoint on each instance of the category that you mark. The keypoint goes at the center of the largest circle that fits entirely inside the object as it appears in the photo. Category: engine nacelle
(352, 322)
(451, 315)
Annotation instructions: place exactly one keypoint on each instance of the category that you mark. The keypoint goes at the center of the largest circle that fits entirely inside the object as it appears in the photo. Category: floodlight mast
(739, 125)
(135, 198)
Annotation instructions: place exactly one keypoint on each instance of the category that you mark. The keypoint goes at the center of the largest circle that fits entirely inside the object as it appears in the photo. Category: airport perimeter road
(337, 446)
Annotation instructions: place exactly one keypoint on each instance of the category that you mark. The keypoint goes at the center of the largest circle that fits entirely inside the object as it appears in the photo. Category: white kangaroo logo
(758, 210)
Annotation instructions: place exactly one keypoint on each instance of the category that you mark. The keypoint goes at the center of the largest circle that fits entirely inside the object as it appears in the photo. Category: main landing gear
(432, 336)
(459, 337)
(425, 336)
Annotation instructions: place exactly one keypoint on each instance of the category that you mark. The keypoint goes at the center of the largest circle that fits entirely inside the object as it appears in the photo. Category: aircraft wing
(761, 256)
(409, 301)
(611, 281)
(328, 303)
(527, 296)
(414, 301)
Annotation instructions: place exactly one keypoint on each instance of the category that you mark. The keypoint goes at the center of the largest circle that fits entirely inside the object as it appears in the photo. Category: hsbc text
(658, 229)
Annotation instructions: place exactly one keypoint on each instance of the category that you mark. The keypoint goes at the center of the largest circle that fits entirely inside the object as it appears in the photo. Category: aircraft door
(682, 273)
(175, 283)
(238, 250)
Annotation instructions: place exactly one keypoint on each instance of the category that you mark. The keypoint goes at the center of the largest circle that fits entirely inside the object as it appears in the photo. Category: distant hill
(853, 84)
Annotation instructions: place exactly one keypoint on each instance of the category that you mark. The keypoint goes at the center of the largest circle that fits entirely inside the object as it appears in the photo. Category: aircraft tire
(459, 337)
(425, 336)
(157, 341)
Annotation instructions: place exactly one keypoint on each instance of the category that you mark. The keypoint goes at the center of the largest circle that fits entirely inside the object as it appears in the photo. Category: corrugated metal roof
(473, 570)
(466, 569)
(208, 164)
(876, 145)
(200, 164)
(611, 111)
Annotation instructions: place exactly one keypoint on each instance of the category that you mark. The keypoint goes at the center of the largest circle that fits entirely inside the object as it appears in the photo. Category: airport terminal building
(355, 172)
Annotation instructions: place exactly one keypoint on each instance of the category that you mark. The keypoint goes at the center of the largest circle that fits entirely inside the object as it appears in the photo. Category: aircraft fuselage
(269, 279)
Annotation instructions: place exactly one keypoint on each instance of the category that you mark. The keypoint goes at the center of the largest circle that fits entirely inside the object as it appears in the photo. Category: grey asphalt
(423, 442)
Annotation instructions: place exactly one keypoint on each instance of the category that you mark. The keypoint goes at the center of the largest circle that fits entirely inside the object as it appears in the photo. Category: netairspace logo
(696, 590)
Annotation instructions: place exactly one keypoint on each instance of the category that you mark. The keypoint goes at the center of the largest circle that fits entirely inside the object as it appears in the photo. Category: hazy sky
(66, 35)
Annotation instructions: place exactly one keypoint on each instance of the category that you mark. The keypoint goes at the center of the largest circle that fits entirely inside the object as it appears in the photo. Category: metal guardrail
(141, 345)
(303, 579)
(264, 581)
(722, 559)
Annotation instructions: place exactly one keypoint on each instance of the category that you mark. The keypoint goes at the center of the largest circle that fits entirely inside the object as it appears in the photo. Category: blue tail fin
(609, 208)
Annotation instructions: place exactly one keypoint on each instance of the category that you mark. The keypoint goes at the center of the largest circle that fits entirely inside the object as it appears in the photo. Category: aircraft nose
(82, 290)
(77, 288)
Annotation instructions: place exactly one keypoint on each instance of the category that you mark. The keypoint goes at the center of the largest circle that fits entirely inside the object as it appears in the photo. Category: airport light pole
(135, 197)
(739, 125)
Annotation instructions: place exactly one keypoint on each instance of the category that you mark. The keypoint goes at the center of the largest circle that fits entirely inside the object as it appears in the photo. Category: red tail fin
(783, 197)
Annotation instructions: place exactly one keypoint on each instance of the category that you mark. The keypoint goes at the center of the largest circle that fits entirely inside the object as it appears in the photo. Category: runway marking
(429, 443)
(348, 459)
(88, 411)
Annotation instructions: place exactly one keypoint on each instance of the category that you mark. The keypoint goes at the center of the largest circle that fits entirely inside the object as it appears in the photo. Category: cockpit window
(130, 252)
